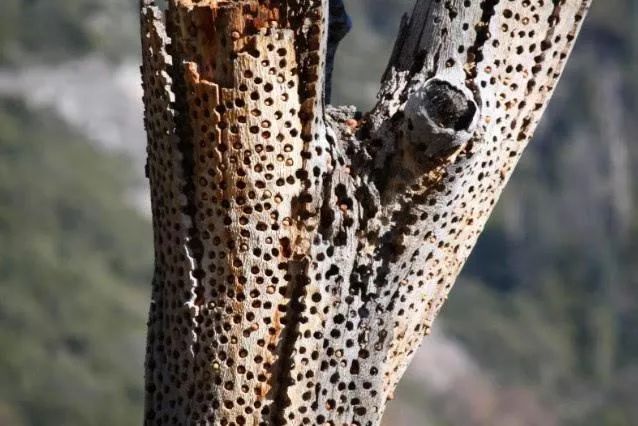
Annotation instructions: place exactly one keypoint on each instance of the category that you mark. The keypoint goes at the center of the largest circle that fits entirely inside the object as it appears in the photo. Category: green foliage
(74, 275)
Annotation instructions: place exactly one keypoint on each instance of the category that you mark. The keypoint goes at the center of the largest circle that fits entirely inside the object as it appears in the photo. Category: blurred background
(542, 328)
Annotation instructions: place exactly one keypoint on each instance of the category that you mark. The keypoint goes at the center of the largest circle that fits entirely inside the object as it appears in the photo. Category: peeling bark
(303, 252)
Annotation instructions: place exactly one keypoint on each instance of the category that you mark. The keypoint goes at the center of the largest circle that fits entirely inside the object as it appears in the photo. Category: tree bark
(303, 251)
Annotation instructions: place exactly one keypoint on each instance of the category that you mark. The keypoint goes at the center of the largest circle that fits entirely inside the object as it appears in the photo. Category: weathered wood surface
(302, 253)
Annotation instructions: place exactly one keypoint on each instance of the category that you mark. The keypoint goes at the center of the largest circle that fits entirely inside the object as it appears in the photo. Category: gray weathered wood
(303, 252)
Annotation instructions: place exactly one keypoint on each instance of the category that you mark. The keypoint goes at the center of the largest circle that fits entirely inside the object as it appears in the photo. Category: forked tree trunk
(303, 251)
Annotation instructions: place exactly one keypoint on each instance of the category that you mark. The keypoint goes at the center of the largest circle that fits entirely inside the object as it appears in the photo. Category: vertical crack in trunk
(193, 243)
(185, 148)
(282, 369)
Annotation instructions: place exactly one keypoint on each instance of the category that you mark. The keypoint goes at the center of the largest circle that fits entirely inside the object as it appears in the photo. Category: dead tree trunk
(303, 251)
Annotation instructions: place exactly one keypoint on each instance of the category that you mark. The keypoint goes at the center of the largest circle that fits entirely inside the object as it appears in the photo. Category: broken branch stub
(302, 254)
(440, 117)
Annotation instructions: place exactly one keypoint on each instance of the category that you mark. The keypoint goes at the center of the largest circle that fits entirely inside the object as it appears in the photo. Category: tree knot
(440, 116)
(447, 106)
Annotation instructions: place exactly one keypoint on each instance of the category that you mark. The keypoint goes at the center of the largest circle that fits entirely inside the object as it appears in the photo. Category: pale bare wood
(303, 253)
